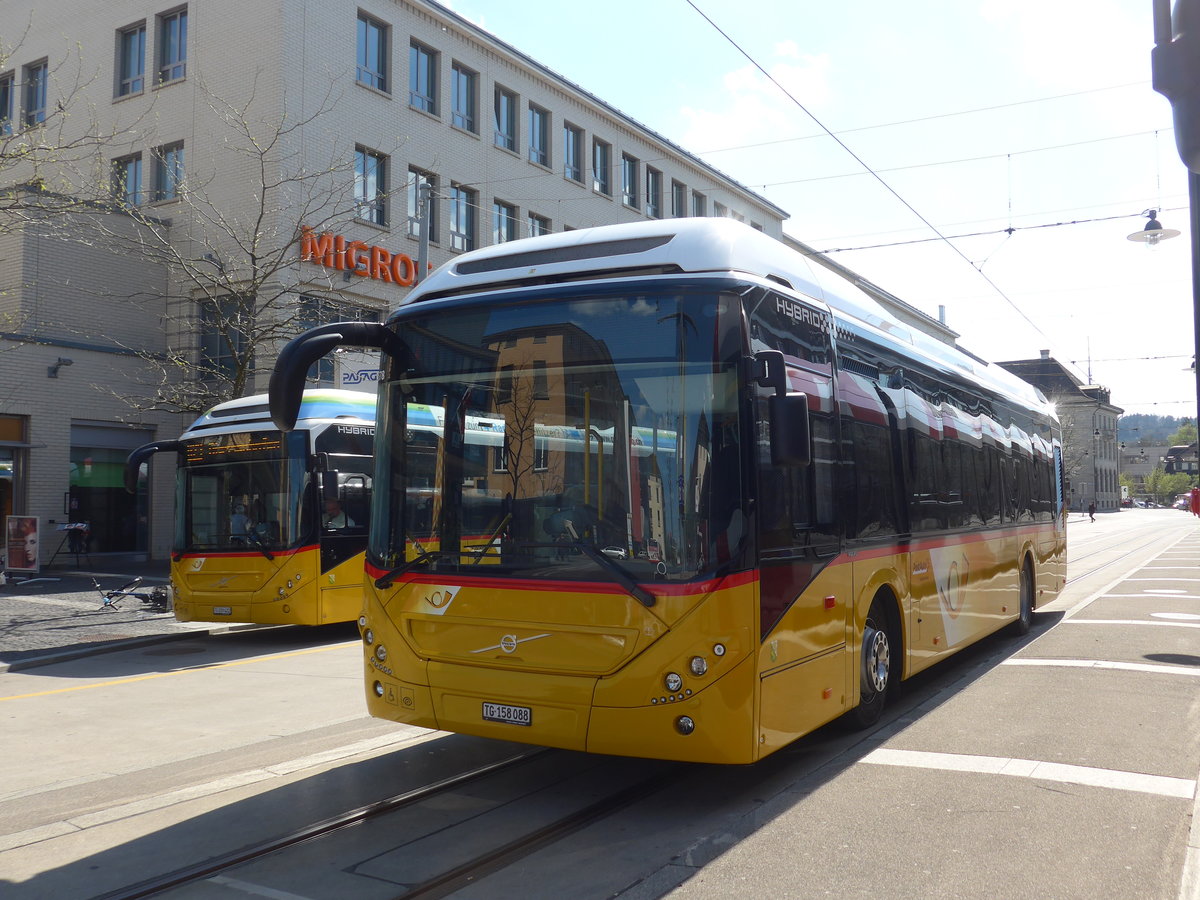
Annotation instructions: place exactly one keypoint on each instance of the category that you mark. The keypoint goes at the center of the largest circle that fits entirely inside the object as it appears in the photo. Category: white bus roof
(253, 413)
(696, 245)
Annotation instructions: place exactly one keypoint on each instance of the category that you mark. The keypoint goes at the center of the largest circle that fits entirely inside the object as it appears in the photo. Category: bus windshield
(591, 437)
(241, 492)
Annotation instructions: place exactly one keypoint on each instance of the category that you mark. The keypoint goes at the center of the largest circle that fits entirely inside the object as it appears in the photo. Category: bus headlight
(381, 653)
(684, 724)
(377, 687)
(673, 682)
(698, 666)
(369, 636)
(362, 621)
(718, 649)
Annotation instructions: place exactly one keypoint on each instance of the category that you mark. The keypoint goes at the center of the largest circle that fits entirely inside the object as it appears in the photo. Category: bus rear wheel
(877, 670)
(1025, 617)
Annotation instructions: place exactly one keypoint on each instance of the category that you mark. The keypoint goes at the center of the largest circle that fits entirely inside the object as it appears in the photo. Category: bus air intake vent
(859, 367)
(259, 409)
(561, 254)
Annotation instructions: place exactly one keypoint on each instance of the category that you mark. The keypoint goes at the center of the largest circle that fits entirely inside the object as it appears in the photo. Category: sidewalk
(59, 614)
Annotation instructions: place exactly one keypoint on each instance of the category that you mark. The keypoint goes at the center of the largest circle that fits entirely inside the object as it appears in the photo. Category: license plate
(222, 610)
(510, 715)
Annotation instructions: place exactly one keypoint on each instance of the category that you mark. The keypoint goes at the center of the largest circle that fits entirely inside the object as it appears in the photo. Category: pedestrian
(1092, 511)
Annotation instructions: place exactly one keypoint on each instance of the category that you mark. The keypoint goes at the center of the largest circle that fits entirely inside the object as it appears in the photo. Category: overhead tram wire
(966, 159)
(933, 118)
(891, 190)
(1009, 230)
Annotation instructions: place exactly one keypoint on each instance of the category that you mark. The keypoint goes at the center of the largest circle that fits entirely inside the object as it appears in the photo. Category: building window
(168, 171)
(36, 77)
(573, 152)
(172, 46)
(314, 311)
(7, 95)
(720, 211)
(462, 217)
(601, 167)
(370, 185)
(504, 222)
(224, 323)
(678, 199)
(538, 225)
(654, 183)
(422, 78)
(127, 180)
(539, 135)
(629, 180)
(699, 204)
(541, 380)
(372, 53)
(464, 98)
(131, 53)
(417, 180)
(506, 119)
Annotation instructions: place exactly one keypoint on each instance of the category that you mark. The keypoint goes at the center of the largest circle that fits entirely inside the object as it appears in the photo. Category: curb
(95, 649)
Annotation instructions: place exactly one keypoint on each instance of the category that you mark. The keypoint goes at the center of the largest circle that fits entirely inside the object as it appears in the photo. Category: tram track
(1074, 560)
(331, 825)
(509, 847)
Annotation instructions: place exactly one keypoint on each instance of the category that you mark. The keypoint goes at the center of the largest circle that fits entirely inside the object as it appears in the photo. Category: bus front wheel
(877, 670)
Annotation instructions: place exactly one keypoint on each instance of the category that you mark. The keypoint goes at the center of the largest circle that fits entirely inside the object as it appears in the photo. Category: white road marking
(1160, 785)
(1079, 621)
(1105, 664)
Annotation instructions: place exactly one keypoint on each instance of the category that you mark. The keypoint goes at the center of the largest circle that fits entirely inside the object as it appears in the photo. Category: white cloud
(751, 108)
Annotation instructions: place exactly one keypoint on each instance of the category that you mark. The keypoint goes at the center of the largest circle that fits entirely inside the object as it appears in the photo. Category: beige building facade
(188, 186)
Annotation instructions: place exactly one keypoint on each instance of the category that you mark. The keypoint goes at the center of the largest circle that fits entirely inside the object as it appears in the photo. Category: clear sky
(979, 114)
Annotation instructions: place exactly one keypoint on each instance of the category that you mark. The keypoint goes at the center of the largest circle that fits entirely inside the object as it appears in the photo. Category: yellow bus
(686, 495)
(271, 528)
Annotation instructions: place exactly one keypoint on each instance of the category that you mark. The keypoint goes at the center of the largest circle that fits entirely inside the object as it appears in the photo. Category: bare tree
(50, 147)
(234, 276)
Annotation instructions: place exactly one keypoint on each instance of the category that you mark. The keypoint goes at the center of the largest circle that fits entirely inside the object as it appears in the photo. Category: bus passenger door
(804, 593)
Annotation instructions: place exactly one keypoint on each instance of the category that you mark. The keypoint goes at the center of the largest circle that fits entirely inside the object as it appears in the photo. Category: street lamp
(1153, 232)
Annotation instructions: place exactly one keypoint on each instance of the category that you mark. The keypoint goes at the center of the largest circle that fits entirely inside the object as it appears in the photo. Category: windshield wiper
(385, 580)
(257, 541)
(620, 576)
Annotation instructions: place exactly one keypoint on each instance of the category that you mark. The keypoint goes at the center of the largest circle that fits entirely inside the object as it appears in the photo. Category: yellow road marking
(204, 668)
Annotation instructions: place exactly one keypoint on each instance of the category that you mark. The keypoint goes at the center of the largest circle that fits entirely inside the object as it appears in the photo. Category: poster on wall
(22, 534)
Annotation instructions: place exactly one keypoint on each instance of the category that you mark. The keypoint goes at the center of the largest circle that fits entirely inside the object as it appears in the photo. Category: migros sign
(357, 257)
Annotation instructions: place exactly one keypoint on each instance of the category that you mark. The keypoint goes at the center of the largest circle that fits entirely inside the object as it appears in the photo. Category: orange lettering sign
(360, 258)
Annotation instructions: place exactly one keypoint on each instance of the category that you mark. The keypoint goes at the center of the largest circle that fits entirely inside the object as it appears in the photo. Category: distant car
(614, 552)
(1181, 504)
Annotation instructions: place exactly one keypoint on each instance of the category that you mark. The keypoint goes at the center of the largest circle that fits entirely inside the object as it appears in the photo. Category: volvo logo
(510, 642)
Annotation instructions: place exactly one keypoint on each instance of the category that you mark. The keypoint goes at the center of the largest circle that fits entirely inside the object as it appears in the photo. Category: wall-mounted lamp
(1153, 232)
(52, 371)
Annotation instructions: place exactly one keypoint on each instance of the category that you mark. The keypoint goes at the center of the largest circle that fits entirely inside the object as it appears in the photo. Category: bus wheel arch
(880, 659)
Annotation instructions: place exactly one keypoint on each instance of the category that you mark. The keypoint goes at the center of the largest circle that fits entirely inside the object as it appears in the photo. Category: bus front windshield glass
(241, 492)
(589, 437)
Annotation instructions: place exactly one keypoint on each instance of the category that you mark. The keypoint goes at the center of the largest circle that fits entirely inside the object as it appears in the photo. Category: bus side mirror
(285, 392)
(791, 440)
(329, 484)
(133, 462)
